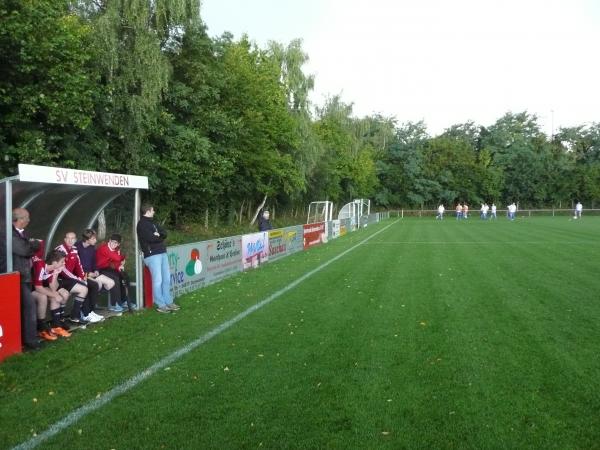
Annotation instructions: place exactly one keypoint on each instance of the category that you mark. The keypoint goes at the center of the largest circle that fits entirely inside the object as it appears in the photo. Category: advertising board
(255, 249)
(314, 234)
(193, 266)
(285, 241)
(10, 314)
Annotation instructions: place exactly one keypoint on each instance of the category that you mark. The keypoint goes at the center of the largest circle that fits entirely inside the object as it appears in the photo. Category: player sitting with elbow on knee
(47, 291)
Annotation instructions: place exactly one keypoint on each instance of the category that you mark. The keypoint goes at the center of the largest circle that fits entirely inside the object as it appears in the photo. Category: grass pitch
(433, 334)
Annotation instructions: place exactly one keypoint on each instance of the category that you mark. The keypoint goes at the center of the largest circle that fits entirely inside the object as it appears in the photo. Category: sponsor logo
(194, 265)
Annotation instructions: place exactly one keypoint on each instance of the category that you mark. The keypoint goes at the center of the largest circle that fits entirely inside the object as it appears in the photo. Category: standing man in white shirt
(512, 209)
(459, 211)
(578, 210)
(440, 214)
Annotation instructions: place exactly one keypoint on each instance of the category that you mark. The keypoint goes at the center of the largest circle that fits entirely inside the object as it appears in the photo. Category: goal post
(321, 211)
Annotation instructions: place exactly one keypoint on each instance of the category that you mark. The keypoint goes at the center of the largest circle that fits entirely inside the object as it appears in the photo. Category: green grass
(430, 335)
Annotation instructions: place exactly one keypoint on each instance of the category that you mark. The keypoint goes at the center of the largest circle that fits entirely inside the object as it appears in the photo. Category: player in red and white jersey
(73, 278)
(47, 290)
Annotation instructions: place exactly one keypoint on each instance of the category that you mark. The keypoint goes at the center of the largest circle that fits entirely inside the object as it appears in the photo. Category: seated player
(47, 290)
(111, 263)
(86, 249)
(73, 279)
(71, 282)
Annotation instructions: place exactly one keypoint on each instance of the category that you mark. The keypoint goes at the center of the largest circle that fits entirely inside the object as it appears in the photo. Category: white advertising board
(255, 249)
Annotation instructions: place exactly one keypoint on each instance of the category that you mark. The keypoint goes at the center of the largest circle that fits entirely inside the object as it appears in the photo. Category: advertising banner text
(193, 266)
(314, 234)
(285, 241)
(255, 249)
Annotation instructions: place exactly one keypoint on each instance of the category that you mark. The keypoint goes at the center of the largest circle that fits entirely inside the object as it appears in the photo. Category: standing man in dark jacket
(23, 249)
(264, 224)
(152, 241)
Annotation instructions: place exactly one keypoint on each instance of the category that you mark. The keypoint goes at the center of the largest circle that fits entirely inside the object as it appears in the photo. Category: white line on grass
(92, 406)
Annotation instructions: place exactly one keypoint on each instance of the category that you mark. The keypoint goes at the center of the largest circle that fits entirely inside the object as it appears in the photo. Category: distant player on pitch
(512, 211)
(578, 210)
(493, 214)
(440, 214)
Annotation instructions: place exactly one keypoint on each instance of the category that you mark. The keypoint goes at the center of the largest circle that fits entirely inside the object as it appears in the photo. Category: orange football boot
(59, 331)
(47, 335)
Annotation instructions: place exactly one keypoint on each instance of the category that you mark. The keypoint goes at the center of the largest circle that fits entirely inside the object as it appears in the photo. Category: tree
(400, 169)
(296, 83)
(130, 37)
(579, 148)
(346, 168)
(519, 148)
(47, 92)
(297, 86)
(192, 168)
(265, 135)
(450, 163)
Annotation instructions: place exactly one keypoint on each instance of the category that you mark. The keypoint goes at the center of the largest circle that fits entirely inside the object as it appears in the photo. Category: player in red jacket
(111, 262)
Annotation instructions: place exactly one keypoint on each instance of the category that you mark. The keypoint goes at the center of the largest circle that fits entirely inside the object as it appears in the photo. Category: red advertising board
(314, 234)
(148, 296)
(10, 314)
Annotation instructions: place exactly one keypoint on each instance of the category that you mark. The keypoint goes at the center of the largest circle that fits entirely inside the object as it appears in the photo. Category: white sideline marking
(95, 404)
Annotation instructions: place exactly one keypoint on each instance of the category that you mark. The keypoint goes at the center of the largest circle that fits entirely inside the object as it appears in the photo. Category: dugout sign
(59, 175)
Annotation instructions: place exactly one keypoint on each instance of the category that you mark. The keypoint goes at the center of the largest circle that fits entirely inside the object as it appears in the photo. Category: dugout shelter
(61, 200)
(356, 210)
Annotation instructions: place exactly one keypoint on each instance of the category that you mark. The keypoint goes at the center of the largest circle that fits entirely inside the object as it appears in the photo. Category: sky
(442, 61)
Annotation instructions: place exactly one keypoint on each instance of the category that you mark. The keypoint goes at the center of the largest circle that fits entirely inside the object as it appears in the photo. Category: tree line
(221, 125)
